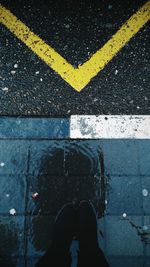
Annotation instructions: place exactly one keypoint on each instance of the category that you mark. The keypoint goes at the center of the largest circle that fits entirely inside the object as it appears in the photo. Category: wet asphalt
(75, 29)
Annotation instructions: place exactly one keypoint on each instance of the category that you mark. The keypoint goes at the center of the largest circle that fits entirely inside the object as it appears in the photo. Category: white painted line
(110, 127)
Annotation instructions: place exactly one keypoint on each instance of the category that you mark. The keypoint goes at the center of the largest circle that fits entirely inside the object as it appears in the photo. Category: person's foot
(64, 230)
(87, 226)
(64, 227)
(90, 255)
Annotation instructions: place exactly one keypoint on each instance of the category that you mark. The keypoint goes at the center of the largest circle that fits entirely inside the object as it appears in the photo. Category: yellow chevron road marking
(78, 77)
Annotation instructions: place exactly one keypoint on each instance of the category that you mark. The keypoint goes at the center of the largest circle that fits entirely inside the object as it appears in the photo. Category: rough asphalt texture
(76, 29)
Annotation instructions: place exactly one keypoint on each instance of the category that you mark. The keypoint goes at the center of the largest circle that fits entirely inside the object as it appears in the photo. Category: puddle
(9, 243)
(80, 174)
(85, 173)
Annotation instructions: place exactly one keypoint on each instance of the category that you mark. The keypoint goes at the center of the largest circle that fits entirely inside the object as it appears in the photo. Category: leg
(58, 255)
(90, 255)
(5, 261)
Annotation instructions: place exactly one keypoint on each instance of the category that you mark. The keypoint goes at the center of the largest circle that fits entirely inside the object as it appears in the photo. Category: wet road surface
(76, 30)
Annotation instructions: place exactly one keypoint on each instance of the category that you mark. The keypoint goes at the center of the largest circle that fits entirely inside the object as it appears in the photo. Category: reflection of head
(82, 159)
(85, 170)
(71, 170)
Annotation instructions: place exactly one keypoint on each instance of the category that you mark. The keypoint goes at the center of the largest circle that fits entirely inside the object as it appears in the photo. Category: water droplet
(16, 66)
(2, 164)
(5, 89)
(18, 122)
(12, 211)
(110, 7)
(35, 195)
(145, 228)
(145, 192)
(13, 72)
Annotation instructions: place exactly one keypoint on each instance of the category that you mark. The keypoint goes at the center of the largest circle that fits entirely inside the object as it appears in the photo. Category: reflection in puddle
(68, 172)
(8, 238)
(9, 243)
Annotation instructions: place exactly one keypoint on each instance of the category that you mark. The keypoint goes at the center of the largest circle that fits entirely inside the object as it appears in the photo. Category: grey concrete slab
(144, 150)
(39, 241)
(147, 262)
(146, 231)
(146, 194)
(125, 195)
(12, 236)
(12, 193)
(126, 261)
(52, 194)
(13, 157)
(19, 261)
(148, 251)
(13, 262)
(121, 157)
(47, 157)
(121, 238)
(102, 234)
(58, 174)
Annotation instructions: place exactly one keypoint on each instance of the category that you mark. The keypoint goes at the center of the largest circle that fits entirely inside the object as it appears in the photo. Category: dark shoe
(90, 255)
(58, 255)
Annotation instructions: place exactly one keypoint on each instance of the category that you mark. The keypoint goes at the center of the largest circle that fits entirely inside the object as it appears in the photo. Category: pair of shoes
(79, 223)
(73, 222)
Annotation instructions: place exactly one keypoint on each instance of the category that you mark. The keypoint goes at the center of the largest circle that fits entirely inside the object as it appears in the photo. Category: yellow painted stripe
(78, 78)
(99, 60)
(37, 45)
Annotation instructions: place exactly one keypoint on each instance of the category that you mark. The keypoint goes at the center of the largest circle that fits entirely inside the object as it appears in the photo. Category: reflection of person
(82, 224)
(4, 261)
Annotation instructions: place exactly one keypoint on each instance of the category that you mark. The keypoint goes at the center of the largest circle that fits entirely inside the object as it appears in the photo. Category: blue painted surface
(13, 155)
(127, 261)
(34, 159)
(12, 193)
(125, 195)
(34, 128)
(121, 157)
(121, 237)
(144, 149)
